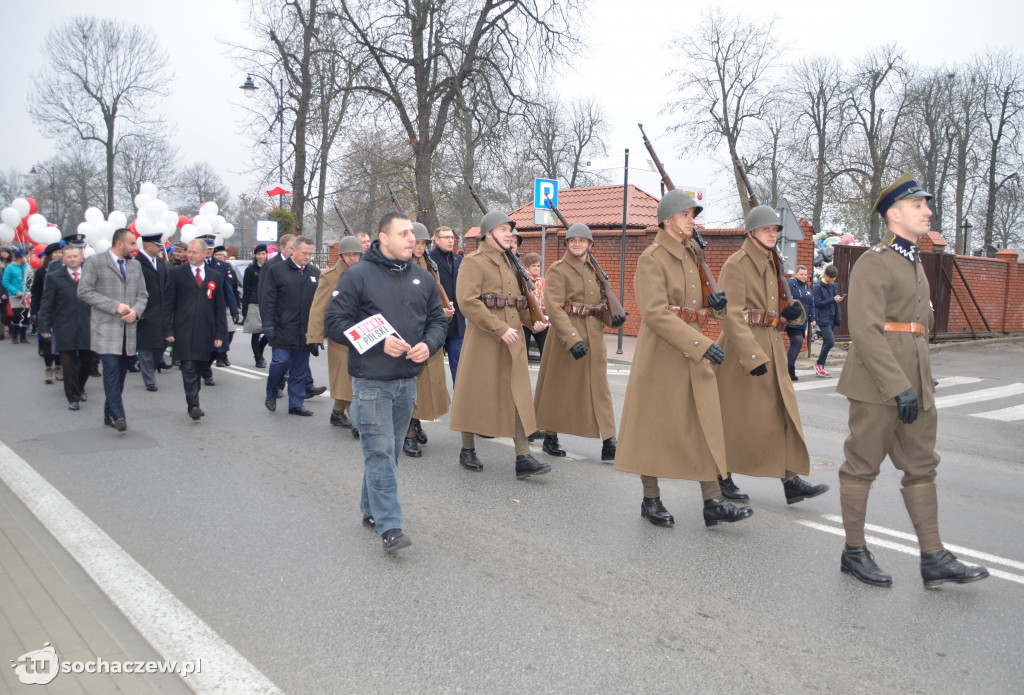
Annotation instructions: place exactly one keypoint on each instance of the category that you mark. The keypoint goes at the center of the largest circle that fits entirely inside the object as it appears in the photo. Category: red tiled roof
(597, 207)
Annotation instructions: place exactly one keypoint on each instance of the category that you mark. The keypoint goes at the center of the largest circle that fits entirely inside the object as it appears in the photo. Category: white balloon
(226, 230)
(86, 228)
(6, 233)
(162, 229)
(218, 240)
(188, 233)
(103, 230)
(203, 228)
(93, 215)
(209, 208)
(138, 243)
(170, 218)
(118, 219)
(36, 220)
(143, 226)
(89, 252)
(21, 206)
(141, 201)
(53, 235)
(102, 246)
(155, 210)
(38, 234)
(10, 217)
(148, 189)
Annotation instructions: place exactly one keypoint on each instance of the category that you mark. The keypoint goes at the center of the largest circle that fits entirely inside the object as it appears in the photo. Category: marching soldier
(888, 380)
(432, 399)
(493, 397)
(763, 434)
(671, 417)
(572, 393)
(349, 253)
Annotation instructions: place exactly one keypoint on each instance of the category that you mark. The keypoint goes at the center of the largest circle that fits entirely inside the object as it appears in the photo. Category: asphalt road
(550, 585)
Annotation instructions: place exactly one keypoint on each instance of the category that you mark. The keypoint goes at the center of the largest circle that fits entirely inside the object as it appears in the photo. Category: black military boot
(412, 448)
(654, 511)
(719, 509)
(551, 446)
(858, 561)
(537, 434)
(797, 489)
(942, 566)
(730, 490)
(608, 448)
(421, 436)
(468, 460)
(340, 419)
(527, 466)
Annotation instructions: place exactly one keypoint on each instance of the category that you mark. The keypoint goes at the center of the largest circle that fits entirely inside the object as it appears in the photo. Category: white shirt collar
(201, 268)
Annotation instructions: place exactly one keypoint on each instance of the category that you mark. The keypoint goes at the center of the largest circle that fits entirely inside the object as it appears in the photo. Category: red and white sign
(368, 332)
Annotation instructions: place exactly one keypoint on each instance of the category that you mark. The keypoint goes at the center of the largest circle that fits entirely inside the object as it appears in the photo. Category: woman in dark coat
(799, 288)
(52, 253)
(251, 302)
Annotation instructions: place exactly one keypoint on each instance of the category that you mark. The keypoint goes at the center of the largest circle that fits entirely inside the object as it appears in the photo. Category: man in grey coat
(116, 291)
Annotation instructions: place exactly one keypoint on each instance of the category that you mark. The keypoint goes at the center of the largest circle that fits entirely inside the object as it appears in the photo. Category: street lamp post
(249, 87)
(966, 227)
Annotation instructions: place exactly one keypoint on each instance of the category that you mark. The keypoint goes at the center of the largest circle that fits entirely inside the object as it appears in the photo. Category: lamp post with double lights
(249, 87)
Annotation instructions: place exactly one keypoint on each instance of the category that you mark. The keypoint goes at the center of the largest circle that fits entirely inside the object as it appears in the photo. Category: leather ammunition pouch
(493, 300)
(765, 318)
(697, 316)
(585, 310)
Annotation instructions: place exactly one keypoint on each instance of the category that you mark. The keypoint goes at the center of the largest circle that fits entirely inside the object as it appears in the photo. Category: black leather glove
(714, 354)
(717, 300)
(759, 371)
(791, 312)
(906, 406)
(618, 320)
(579, 350)
(314, 349)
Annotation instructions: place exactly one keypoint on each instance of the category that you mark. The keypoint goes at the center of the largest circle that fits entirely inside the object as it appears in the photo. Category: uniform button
(686, 355)
(772, 297)
(753, 357)
(693, 287)
(695, 302)
(691, 271)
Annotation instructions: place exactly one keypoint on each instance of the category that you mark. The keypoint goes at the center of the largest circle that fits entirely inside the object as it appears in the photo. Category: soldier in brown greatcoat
(763, 434)
(349, 253)
(671, 419)
(432, 399)
(572, 394)
(493, 397)
(888, 381)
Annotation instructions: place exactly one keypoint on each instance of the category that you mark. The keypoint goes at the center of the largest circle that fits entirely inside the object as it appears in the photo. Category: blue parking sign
(542, 190)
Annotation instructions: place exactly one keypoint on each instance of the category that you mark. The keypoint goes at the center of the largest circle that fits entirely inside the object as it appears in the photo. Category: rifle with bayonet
(445, 302)
(344, 222)
(707, 278)
(614, 305)
(526, 285)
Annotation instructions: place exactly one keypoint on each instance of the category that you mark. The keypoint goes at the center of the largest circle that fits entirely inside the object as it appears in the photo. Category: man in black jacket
(384, 376)
(149, 336)
(66, 318)
(448, 263)
(286, 293)
(194, 319)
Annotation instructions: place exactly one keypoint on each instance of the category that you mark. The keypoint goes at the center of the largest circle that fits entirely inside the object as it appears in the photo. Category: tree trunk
(109, 147)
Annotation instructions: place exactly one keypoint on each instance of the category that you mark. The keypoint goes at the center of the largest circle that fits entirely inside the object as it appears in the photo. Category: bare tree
(965, 119)
(198, 184)
(1002, 110)
(141, 159)
(1008, 221)
(564, 136)
(929, 139)
(724, 84)
(10, 185)
(249, 209)
(101, 74)
(65, 185)
(769, 162)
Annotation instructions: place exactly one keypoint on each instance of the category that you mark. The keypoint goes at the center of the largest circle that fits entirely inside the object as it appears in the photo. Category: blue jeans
(796, 342)
(114, 369)
(381, 411)
(453, 347)
(828, 339)
(296, 364)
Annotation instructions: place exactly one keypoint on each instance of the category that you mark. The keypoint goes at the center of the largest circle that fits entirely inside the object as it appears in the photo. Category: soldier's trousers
(876, 432)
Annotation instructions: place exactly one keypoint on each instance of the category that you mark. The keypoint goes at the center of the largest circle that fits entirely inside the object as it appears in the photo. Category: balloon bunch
(21, 223)
(207, 222)
(99, 232)
(154, 215)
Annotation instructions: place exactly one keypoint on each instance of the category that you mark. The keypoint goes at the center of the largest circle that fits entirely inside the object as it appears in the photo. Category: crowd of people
(392, 307)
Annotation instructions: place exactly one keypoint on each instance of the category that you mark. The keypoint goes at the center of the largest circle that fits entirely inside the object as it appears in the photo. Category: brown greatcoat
(671, 418)
(495, 377)
(572, 396)
(432, 399)
(763, 434)
(337, 354)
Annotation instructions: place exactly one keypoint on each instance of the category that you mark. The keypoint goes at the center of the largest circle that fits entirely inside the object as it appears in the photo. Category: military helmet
(675, 202)
(419, 230)
(492, 220)
(763, 216)
(350, 244)
(578, 229)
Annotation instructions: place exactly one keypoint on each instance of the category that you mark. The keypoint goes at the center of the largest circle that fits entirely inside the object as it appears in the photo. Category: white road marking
(246, 370)
(956, 381)
(878, 542)
(1010, 414)
(819, 384)
(979, 395)
(164, 621)
(241, 371)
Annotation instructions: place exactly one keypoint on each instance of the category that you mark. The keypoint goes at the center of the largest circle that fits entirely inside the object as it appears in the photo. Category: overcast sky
(627, 66)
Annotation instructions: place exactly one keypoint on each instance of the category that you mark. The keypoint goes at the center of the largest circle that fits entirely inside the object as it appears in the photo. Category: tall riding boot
(853, 499)
(922, 503)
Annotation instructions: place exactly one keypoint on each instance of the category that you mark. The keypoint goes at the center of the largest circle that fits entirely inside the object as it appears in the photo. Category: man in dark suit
(65, 318)
(116, 291)
(194, 319)
(230, 301)
(448, 263)
(150, 334)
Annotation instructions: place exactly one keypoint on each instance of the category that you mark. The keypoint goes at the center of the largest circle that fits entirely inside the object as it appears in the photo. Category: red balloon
(32, 207)
(23, 225)
(38, 249)
(35, 261)
(182, 221)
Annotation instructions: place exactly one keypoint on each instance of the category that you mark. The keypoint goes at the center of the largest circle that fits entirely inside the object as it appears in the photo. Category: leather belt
(584, 310)
(912, 327)
(698, 316)
(764, 317)
(494, 300)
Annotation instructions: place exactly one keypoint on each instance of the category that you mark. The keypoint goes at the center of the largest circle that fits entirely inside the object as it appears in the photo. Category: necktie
(76, 277)
(199, 278)
(301, 268)
(120, 266)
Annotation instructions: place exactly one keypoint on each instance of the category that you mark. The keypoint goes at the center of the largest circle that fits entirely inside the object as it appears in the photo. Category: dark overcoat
(150, 333)
(62, 314)
(194, 315)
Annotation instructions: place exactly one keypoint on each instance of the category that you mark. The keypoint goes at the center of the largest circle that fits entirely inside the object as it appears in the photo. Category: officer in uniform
(887, 378)
(432, 400)
(671, 417)
(224, 269)
(572, 393)
(493, 397)
(149, 336)
(763, 434)
(349, 253)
